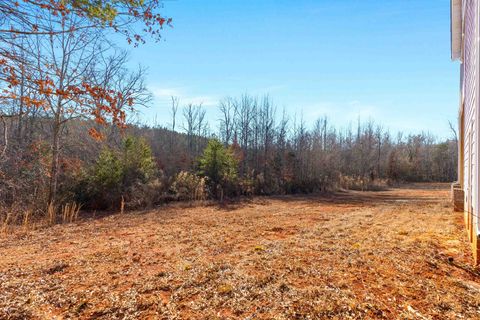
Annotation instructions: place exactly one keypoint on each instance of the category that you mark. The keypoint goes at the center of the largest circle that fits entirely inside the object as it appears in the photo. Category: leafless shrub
(145, 195)
(188, 186)
(362, 183)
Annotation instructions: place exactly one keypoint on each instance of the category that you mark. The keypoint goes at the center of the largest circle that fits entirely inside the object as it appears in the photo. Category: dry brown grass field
(395, 254)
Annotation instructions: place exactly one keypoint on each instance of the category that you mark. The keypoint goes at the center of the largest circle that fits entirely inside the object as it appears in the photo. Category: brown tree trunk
(55, 160)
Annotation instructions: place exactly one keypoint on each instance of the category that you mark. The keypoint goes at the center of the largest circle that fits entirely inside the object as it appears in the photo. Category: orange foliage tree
(55, 58)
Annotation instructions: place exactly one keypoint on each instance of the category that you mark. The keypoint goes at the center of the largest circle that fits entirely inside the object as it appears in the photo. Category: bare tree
(454, 131)
(267, 115)
(85, 81)
(201, 127)
(227, 121)
(5, 137)
(173, 111)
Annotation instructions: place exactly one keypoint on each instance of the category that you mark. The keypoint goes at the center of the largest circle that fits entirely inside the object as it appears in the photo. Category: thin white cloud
(321, 109)
(207, 101)
(362, 111)
(342, 113)
(164, 94)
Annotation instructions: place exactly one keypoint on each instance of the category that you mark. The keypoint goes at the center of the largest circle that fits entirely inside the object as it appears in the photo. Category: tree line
(251, 150)
(67, 139)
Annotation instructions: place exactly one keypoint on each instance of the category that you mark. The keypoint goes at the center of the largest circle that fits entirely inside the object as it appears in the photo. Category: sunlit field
(392, 254)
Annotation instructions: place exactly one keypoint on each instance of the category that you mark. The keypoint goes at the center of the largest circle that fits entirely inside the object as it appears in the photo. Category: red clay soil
(396, 254)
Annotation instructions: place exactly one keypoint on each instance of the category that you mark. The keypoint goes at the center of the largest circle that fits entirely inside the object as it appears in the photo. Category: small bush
(145, 195)
(247, 187)
(130, 173)
(188, 186)
(219, 166)
(362, 183)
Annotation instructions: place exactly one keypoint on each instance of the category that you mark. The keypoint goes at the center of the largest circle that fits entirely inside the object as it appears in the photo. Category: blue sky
(385, 60)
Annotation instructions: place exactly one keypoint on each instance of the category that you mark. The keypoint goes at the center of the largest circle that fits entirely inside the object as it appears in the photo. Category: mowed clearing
(396, 254)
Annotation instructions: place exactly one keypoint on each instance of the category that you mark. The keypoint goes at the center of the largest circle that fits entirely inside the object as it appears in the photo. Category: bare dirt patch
(400, 253)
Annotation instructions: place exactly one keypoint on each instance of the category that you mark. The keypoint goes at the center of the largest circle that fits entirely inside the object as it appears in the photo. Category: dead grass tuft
(70, 212)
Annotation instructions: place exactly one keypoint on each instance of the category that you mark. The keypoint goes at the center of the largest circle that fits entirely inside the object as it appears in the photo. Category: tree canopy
(62, 21)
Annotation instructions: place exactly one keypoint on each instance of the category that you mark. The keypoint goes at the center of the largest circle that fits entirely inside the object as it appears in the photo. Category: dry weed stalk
(51, 213)
(6, 222)
(70, 212)
(26, 220)
(11, 219)
(200, 190)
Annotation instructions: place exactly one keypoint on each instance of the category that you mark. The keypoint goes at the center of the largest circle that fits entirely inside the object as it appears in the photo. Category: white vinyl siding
(470, 96)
